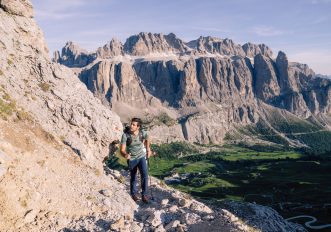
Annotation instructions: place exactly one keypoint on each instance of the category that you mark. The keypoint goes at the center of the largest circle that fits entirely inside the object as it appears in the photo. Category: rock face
(17, 7)
(265, 79)
(252, 50)
(146, 43)
(113, 48)
(49, 91)
(216, 46)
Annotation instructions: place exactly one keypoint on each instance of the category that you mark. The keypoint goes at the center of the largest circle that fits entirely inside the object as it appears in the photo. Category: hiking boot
(145, 199)
(134, 197)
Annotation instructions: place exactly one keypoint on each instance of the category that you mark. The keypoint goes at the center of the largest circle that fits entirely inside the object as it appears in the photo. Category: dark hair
(137, 120)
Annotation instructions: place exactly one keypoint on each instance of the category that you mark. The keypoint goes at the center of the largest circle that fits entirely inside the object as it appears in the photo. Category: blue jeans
(134, 165)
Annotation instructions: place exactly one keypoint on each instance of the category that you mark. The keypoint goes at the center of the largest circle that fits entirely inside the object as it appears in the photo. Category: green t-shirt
(136, 148)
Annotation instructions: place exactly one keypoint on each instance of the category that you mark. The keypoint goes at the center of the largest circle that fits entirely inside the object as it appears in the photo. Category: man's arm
(124, 153)
(147, 144)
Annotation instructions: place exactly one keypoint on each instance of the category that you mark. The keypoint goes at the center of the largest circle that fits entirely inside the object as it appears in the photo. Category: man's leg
(133, 178)
(143, 169)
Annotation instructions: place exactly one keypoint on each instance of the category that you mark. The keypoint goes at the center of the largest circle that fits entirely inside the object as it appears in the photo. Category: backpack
(129, 136)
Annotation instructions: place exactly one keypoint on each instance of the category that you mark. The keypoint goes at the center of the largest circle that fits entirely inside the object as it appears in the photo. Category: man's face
(134, 127)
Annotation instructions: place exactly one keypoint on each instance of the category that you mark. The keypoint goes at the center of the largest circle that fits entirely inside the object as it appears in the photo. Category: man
(135, 145)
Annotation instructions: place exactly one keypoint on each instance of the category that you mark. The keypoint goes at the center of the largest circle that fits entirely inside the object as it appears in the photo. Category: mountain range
(206, 90)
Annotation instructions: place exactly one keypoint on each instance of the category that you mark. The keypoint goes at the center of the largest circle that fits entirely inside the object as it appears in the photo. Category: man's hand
(127, 156)
(149, 153)
(105, 159)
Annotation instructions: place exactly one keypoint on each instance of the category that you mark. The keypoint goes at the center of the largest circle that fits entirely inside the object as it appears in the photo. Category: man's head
(135, 124)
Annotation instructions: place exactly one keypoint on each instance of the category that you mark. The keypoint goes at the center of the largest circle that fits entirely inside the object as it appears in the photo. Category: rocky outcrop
(111, 49)
(146, 43)
(216, 46)
(287, 81)
(17, 7)
(252, 50)
(265, 81)
(73, 56)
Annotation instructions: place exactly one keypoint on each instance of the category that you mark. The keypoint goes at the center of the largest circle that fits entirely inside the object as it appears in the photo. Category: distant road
(310, 222)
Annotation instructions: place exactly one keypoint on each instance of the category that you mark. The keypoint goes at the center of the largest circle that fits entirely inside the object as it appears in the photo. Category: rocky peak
(252, 50)
(287, 81)
(265, 82)
(73, 56)
(72, 49)
(176, 43)
(111, 49)
(216, 46)
(17, 7)
(146, 43)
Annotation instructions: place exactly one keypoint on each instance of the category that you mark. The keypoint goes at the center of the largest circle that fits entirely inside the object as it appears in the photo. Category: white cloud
(267, 31)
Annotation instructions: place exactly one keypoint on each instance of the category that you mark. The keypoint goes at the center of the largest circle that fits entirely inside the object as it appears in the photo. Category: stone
(106, 192)
(172, 225)
(155, 218)
(208, 218)
(164, 202)
(173, 209)
(160, 228)
(30, 216)
(182, 202)
(118, 225)
(190, 218)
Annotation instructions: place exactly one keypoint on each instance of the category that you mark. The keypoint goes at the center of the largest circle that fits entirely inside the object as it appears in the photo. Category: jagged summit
(73, 55)
(146, 43)
(217, 46)
(111, 49)
(252, 50)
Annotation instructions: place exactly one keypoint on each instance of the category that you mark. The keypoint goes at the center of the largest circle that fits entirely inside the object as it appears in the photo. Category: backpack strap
(129, 138)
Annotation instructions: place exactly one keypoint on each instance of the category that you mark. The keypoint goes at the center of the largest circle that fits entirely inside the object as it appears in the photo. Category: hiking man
(135, 146)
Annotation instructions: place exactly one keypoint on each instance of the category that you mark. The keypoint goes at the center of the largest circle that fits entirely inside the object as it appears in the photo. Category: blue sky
(300, 28)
